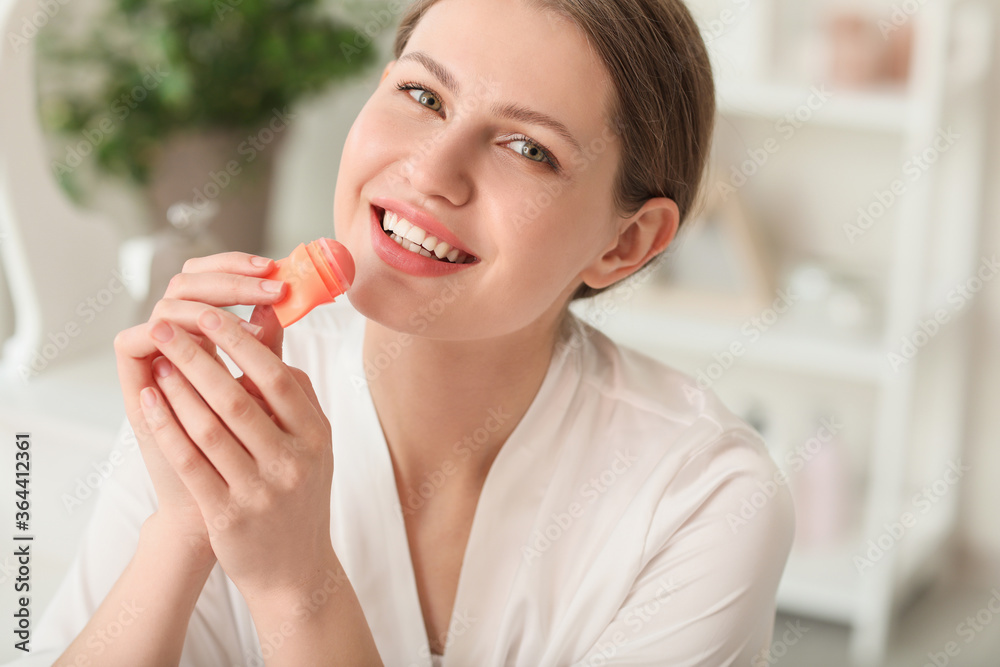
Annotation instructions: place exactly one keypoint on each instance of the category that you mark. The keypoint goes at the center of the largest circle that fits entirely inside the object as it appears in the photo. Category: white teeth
(416, 235)
(401, 227)
(417, 240)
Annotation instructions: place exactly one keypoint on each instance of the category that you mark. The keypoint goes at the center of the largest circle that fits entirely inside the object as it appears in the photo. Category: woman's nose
(440, 165)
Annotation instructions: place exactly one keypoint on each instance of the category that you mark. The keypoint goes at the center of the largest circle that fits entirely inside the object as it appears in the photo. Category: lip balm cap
(316, 272)
(339, 259)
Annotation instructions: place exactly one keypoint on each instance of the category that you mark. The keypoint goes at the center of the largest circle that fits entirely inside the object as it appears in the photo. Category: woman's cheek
(373, 140)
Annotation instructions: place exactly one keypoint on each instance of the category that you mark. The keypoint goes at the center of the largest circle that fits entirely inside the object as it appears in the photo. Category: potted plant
(191, 99)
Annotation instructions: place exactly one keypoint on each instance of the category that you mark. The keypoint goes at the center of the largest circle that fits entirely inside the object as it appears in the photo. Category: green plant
(149, 68)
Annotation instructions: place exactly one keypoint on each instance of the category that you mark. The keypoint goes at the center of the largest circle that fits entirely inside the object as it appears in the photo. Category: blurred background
(836, 289)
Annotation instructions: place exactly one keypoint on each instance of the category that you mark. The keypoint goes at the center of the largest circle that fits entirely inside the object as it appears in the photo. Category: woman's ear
(641, 236)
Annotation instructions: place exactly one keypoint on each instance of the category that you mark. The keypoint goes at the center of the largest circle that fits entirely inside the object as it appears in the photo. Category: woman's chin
(379, 303)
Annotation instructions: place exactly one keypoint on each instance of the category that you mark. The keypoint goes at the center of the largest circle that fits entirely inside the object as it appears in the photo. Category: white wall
(979, 525)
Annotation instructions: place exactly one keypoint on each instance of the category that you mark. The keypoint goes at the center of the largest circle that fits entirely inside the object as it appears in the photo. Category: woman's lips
(424, 220)
(404, 260)
(405, 237)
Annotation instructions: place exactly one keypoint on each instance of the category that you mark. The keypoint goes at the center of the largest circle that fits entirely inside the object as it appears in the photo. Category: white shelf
(824, 580)
(779, 348)
(826, 584)
(911, 411)
(866, 111)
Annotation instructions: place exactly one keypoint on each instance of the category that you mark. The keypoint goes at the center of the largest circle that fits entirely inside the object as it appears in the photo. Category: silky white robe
(630, 519)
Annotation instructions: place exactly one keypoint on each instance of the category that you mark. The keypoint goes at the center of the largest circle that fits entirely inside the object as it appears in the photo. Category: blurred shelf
(827, 584)
(875, 111)
(822, 583)
(909, 421)
(780, 348)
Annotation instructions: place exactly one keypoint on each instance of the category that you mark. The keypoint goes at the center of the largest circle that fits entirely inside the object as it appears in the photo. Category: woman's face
(487, 180)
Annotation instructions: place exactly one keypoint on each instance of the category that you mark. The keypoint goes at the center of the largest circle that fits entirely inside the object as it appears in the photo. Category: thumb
(273, 333)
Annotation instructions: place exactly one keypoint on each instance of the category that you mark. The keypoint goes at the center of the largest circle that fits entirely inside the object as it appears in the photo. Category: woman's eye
(425, 97)
(530, 150)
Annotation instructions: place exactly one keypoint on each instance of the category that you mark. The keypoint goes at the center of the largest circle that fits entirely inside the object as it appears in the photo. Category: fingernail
(272, 286)
(163, 332)
(209, 320)
(260, 261)
(252, 328)
(148, 397)
(162, 367)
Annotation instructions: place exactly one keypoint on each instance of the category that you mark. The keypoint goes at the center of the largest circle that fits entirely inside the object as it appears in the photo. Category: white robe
(630, 519)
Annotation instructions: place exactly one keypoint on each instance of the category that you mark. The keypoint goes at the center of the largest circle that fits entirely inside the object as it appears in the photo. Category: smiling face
(531, 201)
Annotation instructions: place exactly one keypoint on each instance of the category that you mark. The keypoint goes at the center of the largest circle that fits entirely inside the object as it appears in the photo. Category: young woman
(448, 467)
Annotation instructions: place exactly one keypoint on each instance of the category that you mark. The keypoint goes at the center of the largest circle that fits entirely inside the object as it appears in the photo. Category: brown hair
(664, 109)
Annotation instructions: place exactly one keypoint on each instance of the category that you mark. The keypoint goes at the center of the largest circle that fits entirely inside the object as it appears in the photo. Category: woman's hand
(260, 471)
(218, 280)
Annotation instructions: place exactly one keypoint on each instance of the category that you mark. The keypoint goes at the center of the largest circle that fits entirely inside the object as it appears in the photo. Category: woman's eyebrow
(506, 111)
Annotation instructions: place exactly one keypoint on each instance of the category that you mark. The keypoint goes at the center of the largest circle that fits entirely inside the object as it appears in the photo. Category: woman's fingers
(226, 279)
(202, 426)
(220, 391)
(273, 333)
(194, 469)
(135, 342)
(225, 289)
(230, 262)
(277, 383)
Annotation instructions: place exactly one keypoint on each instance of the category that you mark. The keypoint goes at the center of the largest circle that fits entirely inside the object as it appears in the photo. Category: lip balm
(316, 273)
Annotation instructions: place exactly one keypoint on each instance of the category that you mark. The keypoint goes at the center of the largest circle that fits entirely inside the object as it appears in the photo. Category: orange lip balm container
(316, 273)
